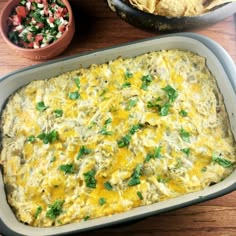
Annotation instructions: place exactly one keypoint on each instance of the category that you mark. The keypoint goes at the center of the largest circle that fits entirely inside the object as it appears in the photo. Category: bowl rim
(7, 5)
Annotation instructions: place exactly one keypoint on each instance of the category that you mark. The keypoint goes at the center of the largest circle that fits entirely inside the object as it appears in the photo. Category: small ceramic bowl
(47, 52)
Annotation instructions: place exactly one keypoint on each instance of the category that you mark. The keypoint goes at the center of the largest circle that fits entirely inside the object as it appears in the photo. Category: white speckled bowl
(219, 63)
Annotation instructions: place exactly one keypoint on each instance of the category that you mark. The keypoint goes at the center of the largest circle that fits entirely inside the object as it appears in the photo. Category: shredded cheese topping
(106, 139)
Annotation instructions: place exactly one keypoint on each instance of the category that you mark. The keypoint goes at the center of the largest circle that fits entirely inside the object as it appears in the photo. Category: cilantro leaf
(108, 186)
(67, 168)
(83, 151)
(58, 113)
(55, 209)
(183, 113)
(185, 135)
(146, 81)
(140, 195)
(221, 161)
(124, 141)
(135, 178)
(135, 128)
(171, 93)
(48, 137)
(40, 106)
(102, 201)
(77, 82)
(31, 138)
(74, 95)
(128, 75)
(38, 211)
(89, 178)
(186, 151)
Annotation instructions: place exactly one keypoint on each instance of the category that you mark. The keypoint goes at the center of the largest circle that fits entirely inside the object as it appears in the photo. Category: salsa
(37, 23)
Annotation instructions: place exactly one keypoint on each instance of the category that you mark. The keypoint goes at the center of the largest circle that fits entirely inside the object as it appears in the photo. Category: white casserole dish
(219, 63)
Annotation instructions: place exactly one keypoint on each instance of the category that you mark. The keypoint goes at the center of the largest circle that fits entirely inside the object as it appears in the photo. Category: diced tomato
(40, 25)
(65, 11)
(61, 28)
(21, 11)
(45, 10)
(16, 20)
(51, 19)
(38, 1)
(27, 45)
(45, 2)
(30, 36)
(38, 38)
(59, 12)
(53, 5)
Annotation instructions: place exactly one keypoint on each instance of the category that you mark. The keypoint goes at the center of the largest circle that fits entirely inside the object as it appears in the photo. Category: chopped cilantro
(108, 186)
(149, 156)
(221, 161)
(83, 151)
(89, 178)
(52, 159)
(77, 82)
(204, 169)
(183, 113)
(186, 151)
(55, 209)
(164, 110)
(102, 201)
(171, 93)
(108, 121)
(146, 81)
(124, 141)
(40, 106)
(48, 137)
(58, 113)
(31, 138)
(104, 131)
(131, 103)
(135, 128)
(128, 75)
(67, 168)
(103, 92)
(86, 218)
(154, 103)
(74, 95)
(185, 135)
(135, 178)
(156, 154)
(126, 85)
(140, 195)
(38, 211)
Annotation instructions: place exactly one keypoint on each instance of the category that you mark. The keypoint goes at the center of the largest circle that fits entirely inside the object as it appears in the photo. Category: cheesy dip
(106, 139)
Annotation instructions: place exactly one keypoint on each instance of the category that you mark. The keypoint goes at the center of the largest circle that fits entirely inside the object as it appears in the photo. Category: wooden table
(98, 27)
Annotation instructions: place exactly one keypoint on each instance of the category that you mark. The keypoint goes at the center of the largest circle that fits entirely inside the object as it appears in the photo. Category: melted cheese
(120, 101)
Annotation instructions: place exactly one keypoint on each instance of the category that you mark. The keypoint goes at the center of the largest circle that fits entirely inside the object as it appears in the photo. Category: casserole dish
(219, 64)
(157, 23)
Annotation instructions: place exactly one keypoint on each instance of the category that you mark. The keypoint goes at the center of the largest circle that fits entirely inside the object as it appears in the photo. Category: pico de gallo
(37, 23)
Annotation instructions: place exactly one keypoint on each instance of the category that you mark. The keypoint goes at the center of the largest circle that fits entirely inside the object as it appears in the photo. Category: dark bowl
(157, 23)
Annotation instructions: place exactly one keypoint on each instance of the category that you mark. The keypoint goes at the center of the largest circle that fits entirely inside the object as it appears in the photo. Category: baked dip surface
(106, 139)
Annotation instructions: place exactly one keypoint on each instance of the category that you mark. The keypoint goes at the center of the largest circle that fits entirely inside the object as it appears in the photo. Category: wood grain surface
(98, 27)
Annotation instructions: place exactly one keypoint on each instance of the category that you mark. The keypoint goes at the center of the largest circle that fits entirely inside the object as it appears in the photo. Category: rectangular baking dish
(219, 63)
